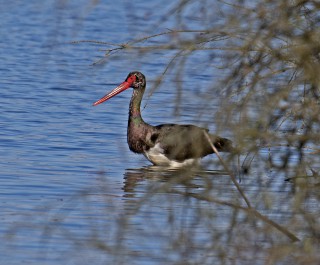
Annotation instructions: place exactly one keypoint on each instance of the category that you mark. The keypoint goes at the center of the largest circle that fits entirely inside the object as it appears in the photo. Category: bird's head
(136, 80)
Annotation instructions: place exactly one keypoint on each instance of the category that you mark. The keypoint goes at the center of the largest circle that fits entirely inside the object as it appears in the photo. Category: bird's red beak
(122, 87)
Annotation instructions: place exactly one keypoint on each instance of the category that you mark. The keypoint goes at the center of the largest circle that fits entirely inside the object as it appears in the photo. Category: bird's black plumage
(166, 143)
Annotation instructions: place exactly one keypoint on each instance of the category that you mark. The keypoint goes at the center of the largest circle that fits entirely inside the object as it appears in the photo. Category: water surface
(67, 177)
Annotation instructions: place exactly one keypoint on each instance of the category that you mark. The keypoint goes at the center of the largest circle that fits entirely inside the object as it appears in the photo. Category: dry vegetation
(269, 54)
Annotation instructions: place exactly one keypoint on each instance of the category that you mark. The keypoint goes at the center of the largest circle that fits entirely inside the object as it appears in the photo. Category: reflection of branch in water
(250, 211)
(180, 182)
(225, 166)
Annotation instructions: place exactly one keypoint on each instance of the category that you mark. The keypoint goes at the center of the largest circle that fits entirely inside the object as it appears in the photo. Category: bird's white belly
(157, 157)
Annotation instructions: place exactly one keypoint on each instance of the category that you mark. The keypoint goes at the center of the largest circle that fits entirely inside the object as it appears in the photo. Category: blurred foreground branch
(266, 60)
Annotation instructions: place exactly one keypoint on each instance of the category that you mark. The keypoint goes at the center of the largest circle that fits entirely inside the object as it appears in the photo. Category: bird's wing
(180, 142)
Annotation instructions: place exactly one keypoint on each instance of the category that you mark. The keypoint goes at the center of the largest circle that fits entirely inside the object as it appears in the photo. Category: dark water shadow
(188, 177)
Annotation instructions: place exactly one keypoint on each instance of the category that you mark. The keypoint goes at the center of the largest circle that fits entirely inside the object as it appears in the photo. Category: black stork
(166, 144)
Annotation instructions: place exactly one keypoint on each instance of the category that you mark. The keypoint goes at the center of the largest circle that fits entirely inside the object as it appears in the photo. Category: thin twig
(94, 42)
(248, 210)
(226, 168)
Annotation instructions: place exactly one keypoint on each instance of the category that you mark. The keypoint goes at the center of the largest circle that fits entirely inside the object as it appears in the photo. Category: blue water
(67, 175)
(54, 146)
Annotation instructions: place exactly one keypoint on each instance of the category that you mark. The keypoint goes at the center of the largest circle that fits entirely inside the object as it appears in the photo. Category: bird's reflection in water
(181, 177)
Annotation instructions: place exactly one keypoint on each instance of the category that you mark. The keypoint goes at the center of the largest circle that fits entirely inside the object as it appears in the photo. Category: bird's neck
(134, 108)
(137, 128)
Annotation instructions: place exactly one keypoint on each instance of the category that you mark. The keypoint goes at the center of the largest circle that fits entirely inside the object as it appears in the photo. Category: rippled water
(67, 176)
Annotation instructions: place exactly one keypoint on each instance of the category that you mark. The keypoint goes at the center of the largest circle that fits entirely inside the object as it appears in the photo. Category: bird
(171, 145)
